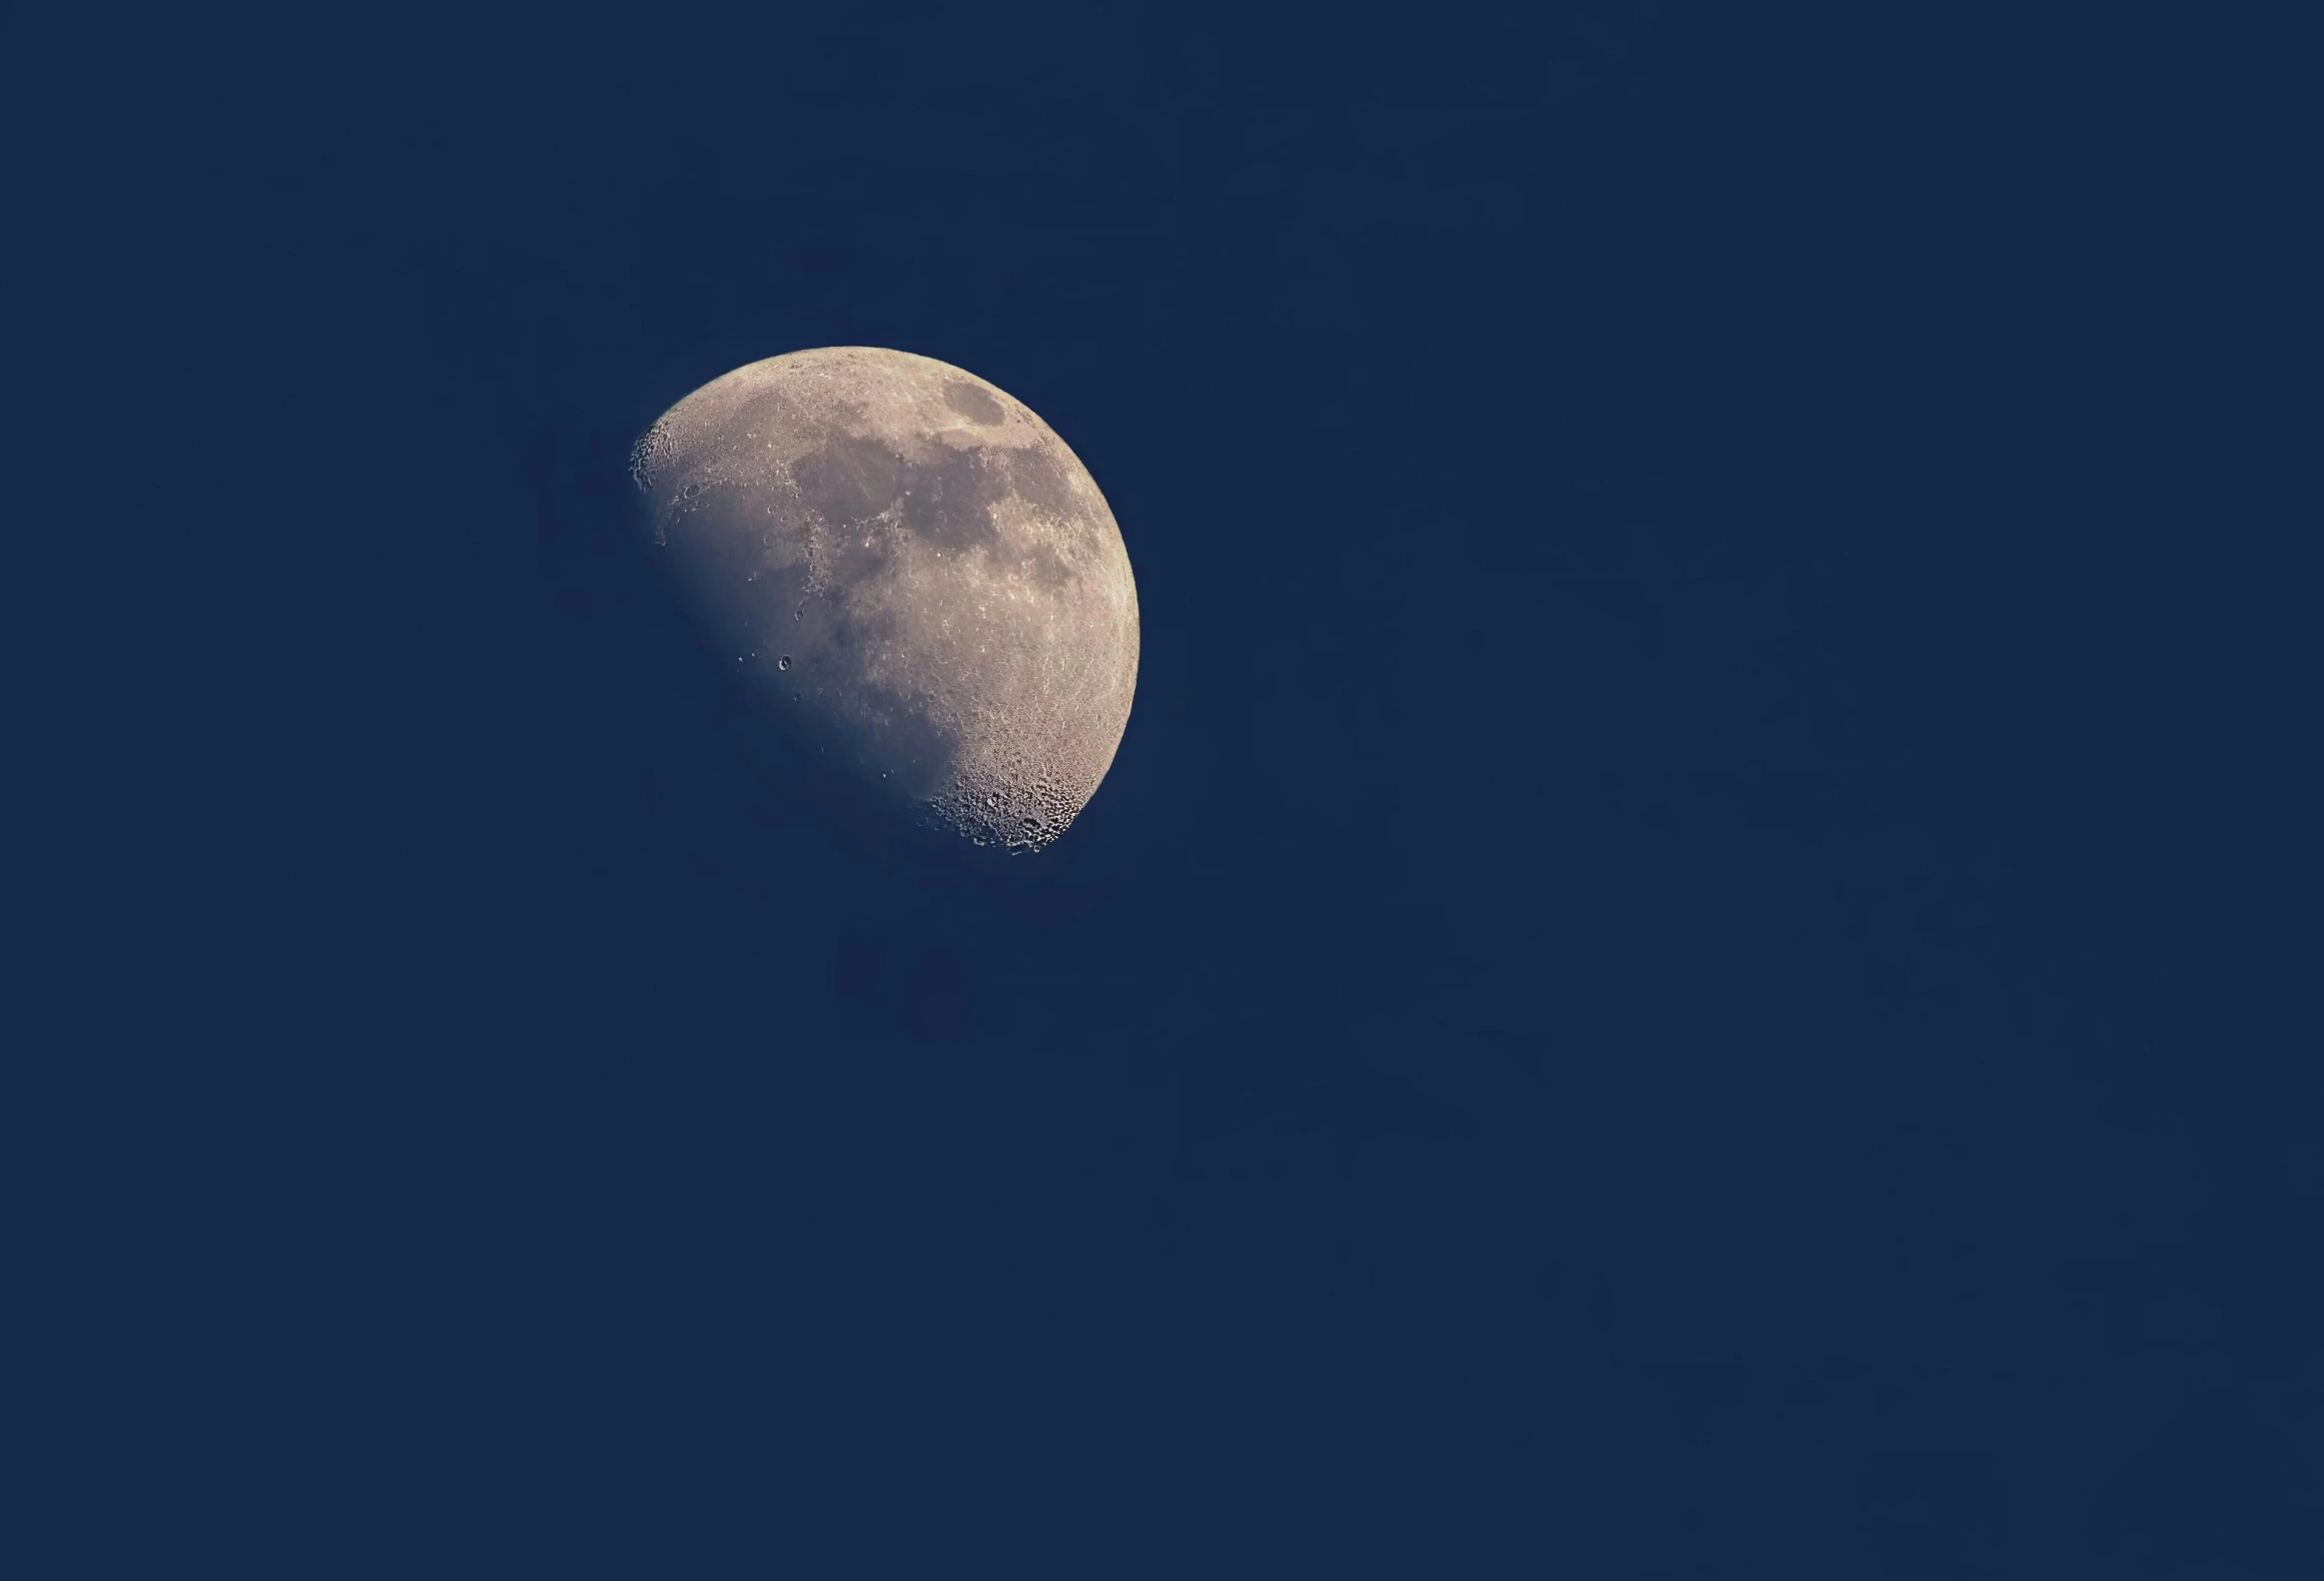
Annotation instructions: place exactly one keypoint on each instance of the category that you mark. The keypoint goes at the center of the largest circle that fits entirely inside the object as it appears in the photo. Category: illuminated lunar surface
(918, 576)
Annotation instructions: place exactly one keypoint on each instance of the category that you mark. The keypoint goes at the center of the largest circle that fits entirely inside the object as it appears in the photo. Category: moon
(913, 572)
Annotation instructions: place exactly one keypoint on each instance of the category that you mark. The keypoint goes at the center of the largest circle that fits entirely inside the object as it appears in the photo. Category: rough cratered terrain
(915, 571)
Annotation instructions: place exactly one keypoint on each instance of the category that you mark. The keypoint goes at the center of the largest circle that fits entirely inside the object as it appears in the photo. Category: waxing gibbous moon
(913, 571)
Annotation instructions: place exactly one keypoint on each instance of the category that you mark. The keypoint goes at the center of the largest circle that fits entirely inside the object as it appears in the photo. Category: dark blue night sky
(1683, 971)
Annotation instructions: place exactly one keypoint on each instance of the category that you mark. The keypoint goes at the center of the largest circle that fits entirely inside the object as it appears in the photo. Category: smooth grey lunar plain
(915, 571)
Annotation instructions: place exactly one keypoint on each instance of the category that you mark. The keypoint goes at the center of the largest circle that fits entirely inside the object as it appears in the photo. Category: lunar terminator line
(915, 572)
